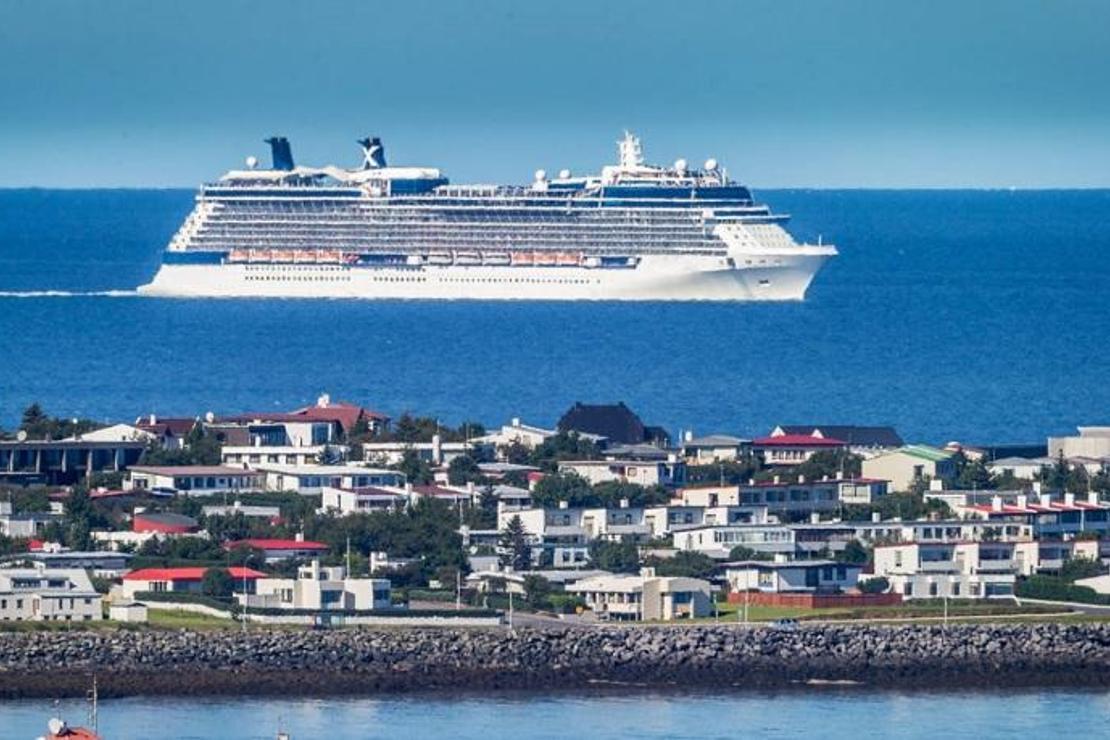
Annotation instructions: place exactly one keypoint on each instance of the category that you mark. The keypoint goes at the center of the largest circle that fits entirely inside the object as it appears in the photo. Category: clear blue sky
(870, 93)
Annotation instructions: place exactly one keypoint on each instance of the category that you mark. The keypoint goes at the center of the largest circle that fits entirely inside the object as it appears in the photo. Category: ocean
(978, 316)
(819, 713)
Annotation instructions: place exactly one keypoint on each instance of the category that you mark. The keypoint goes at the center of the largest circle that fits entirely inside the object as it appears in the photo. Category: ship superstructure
(632, 232)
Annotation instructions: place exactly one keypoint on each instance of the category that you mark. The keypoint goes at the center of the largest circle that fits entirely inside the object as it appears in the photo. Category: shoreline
(531, 661)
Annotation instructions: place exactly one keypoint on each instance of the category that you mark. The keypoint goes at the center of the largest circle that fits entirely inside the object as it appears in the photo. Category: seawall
(56, 664)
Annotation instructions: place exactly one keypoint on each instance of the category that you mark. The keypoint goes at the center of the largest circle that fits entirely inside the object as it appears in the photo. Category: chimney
(1069, 499)
(437, 449)
(1037, 488)
(814, 517)
(780, 557)
(470, 488)
(647, 572)
(153, 419)
(408, 488)
(936, 484)
(776, 480)
(516, 421)
(824, 479)
(996, 503)
(688, 435)
(323, 401)
(623, 503)
(1022, 500)
(1092, 498)
(751, 481)
(299, 537)
(876, 516)
(564, 505)
(801, 479)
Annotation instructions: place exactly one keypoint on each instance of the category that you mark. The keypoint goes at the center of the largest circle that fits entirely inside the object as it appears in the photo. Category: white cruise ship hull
(783, 276)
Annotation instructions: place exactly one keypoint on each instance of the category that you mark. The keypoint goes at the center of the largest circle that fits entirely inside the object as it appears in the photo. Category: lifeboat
(415, 260)
(546, 258)
(568, 259)
(496, 258)
(468, 258)
(282, 255)
(304, 256)
(440, 258)
(523, 259)
(591, 262)
(239, 255)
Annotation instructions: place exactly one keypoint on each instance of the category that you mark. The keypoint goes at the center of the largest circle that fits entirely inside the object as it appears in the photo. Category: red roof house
(187, 580)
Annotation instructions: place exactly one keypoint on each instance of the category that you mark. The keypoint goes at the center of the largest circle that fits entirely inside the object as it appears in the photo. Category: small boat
(468, 258)
(414, 260)
(239, 255)
(57, 729)
(440, 258)
(496, 258)
(522, 258)
(568, 259)
(546, 258)
(591, 262)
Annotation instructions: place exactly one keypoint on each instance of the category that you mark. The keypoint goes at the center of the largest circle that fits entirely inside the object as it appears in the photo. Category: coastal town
(337, 515)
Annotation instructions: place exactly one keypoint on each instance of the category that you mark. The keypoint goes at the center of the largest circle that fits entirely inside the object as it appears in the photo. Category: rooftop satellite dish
(209, 417)
(710, 164)
(564, 174)
(252, 162)
(55, 726)
(540, 175)
(21, 435)
(680, 165)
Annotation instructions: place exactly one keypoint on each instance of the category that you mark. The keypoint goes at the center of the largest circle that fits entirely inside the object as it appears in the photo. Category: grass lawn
(171, 619)
(925, 610)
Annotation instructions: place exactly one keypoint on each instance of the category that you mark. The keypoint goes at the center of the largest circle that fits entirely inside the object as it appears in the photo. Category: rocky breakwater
(57, 664)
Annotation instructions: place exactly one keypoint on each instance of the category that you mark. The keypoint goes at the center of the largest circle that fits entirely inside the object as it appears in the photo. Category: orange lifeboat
(522, 259)
(546, 258)
(569, 259)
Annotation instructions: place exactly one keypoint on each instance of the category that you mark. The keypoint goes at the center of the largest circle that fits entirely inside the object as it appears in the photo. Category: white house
(251, 456)
(670, 472)
(318, 588)
(343, 501)
(312, 479)
(436, 452)
(40, 594)
(966, 570)
(823, 576)
(1025, 468)
(193, 480)
(1090, 442)
(27, 524)
(645, 596)
(712, 448)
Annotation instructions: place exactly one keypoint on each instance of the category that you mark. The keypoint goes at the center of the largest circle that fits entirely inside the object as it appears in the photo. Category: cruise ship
(633, 232)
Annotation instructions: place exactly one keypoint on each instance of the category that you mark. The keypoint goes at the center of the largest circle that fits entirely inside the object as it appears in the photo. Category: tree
(484, 515)
(972, 474)
(515, 550)
(537, 591)
(462, 470)
(741, 552)
(616, 557)
(684, 564)
(416, 469)
(217, 583)
(877, 585)
(1080, 567)
(854, 552)
(570, 488)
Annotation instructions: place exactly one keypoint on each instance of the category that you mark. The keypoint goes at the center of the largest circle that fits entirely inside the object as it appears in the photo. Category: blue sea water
(973, 315)
(815, 714)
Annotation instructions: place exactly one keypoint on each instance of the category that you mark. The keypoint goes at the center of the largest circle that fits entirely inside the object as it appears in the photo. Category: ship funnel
(373, 153)
(280, 152)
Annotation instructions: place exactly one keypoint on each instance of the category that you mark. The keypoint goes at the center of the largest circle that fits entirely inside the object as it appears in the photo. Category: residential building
(311, 480)
(253, 511)
(718, 541)
(713, 448)
(27, 524)
(617, 423)
(907, 465)
(557, 536)
(159, 522)
(965, 570)
(40, 594)
(324, 423)
(435, 452)
(1020, 467)
(192, 480)
(1090, 442)
(275, 549)
(793, 449)
(823, 576)
(343, 501)
(1046, 515)
(644, 597)
(171, 433)
(864, 440)
(670, 472)
(318, 588)
(54, 557)
(181, 580)
(783, 495)
(129, 612)
(64, 461)
(251, 456)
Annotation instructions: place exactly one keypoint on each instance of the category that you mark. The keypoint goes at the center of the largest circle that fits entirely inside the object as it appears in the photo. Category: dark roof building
(852, 436)
(616, 422)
